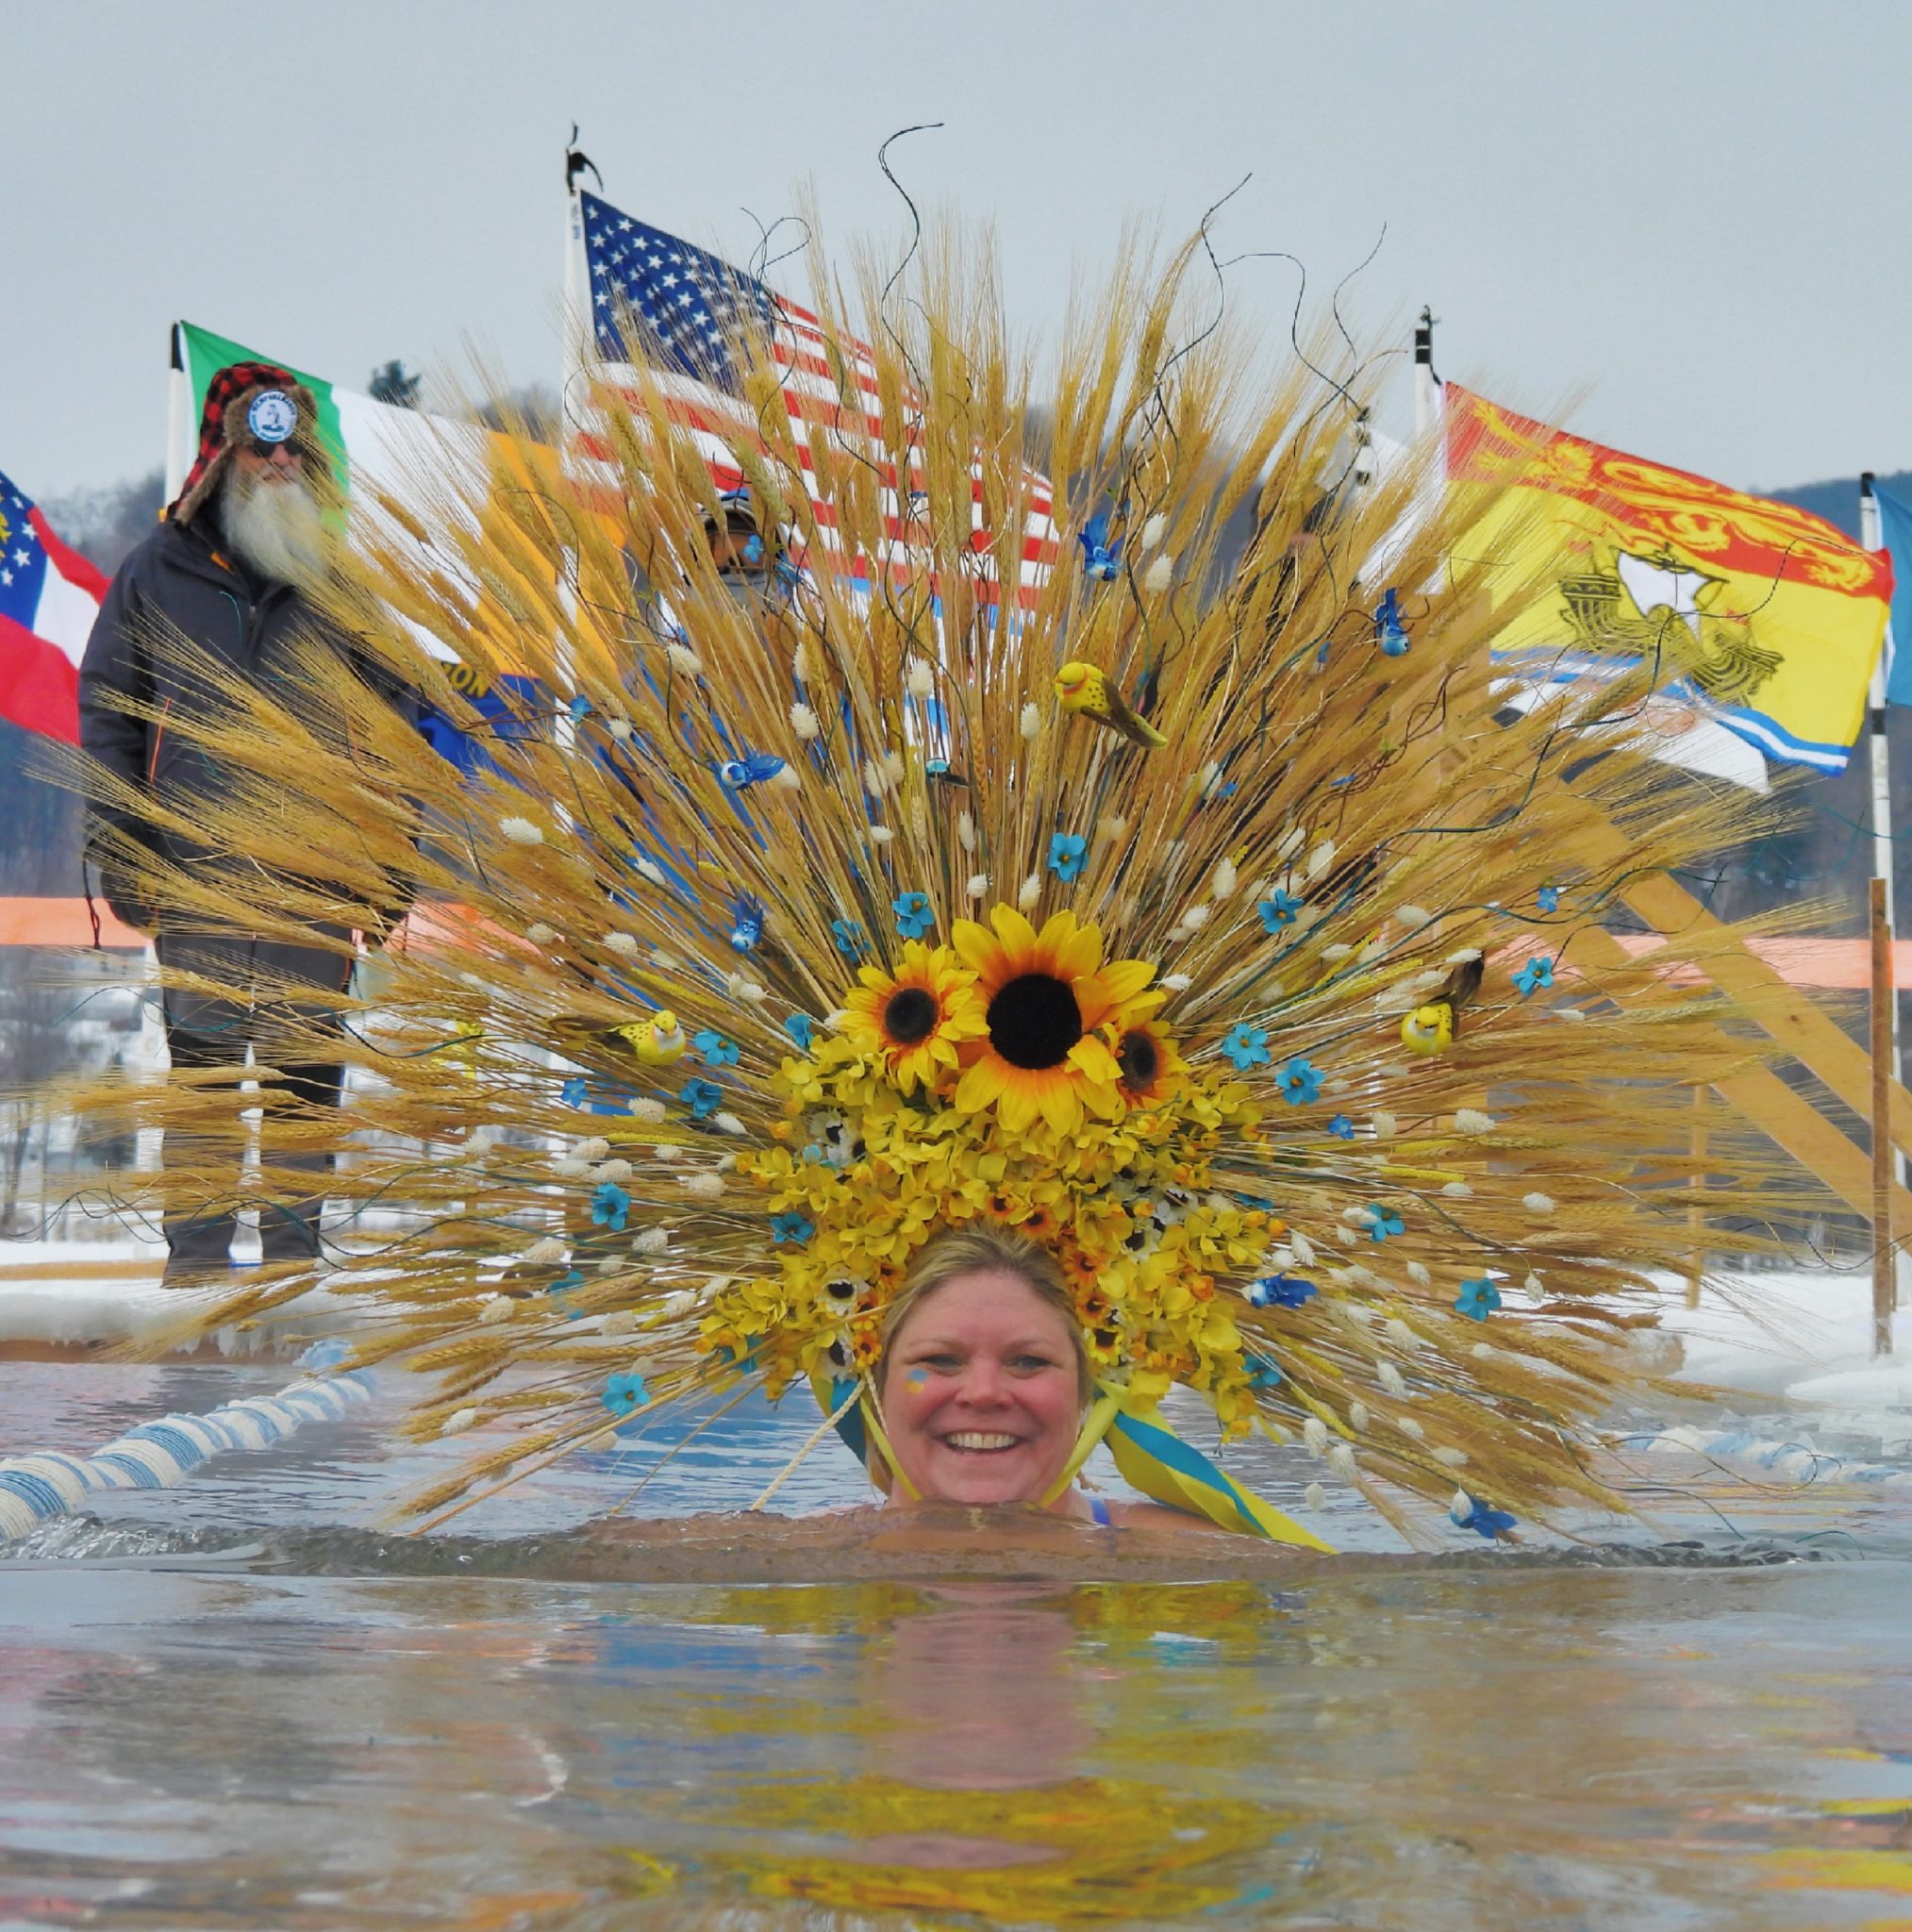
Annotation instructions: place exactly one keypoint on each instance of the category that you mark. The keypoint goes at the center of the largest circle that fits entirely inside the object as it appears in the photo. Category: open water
(245, 1703)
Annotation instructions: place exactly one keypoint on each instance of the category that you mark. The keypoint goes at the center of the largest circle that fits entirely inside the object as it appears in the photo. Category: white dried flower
(977, 885)
(1337, 951)
(1569, 1013)
(619, 1321)
(1455, 1458)
(1347, 1236)
(1177, 982)
(966, 831)
(494, 1309)
(1471, 1120)
(1400, 1333)
(1315, 1497)
(881, 835)
(1111, 829)
(1225, 878)
(707, 1187)
(619, 1170)
(919, 680)
(1193, 919)
(624, 945)
(545, 1249)
(785, 779)
(1465, 957)
(458, 1422)
(664, 961)
(645, 1108)
(728, 1124)
(1373, 951)
(1314, 1436)
(1481, 1351)
(726, 1163)
(1386, 1126)
(649, 1240)
(542, 935)
(1320, 858)
(739, 986)
(804, 722)
(1031, 722)
(595, 1148)
(1358, 1417)
(1304, 1248)
(522, 831)
(649, 871)
(1360, 1216)
(684, 660)
(893, 768)
(1413, 917)
(1534, 1285)
(1159, 575)
(876, 781)
(1417, 1275)
(1537, 1203)
(1461, 1507)
(620, 728)
(571, 1170)
(668, 1152)
(1206, 779)
(1408, 1426)
(1457, 1190)
(1342, 1460)
(1029, 892)
(610, 1264)
(482, 1139)
(802, 668)
(1291, 842)
(1154, 530)
(1392, 1380)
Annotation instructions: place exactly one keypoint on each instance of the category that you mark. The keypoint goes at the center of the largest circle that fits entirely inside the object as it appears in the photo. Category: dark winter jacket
(179, 580)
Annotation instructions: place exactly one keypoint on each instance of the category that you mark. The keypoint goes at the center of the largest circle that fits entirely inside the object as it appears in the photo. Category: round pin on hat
(272, 416)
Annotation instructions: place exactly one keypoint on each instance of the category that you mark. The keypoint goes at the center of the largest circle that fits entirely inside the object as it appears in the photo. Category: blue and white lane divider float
(161, 1454)
(1796, 1462)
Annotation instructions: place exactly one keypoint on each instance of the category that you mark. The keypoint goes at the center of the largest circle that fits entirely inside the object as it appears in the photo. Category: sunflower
(1048, 1002)
(1152, 1070)
(914, 1020)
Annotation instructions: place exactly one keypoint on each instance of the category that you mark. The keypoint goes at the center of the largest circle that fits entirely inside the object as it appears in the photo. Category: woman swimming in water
(985, 1381)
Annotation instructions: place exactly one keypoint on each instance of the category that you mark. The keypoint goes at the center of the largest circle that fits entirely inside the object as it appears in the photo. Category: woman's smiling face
(981, 1390)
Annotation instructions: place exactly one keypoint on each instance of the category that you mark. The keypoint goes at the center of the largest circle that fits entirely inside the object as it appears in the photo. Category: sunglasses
(260, 447)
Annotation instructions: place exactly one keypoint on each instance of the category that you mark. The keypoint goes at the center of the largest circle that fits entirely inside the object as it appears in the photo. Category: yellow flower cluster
(1014, 1077)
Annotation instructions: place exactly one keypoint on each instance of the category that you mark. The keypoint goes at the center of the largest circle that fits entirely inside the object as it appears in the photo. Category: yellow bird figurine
(1082, 688)
(653, 1042)
(1430, 1028)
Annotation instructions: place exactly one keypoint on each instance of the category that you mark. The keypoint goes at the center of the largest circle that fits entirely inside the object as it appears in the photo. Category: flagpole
(1426, 384)
(179, 418)
(1880, 760)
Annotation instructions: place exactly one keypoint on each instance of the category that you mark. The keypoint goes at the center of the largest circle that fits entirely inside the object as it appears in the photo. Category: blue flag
(1895, 530)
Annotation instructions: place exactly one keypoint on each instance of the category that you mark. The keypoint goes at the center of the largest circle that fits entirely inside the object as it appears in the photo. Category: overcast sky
(1693, 218)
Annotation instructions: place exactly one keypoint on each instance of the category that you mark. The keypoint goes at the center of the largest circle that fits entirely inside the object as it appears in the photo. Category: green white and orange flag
(373, 443)
(1767, 620)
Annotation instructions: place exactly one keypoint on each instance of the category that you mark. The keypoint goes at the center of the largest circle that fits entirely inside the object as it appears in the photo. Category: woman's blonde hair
(984, 1245)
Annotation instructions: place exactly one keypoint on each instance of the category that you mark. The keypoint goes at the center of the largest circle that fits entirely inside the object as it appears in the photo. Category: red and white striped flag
(49, 596)
(690, 305)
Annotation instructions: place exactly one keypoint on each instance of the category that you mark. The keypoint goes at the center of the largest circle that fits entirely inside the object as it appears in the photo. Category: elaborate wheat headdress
(1116, 833)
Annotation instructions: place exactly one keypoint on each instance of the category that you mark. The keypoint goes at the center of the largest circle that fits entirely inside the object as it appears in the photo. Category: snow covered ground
(1780, 1341)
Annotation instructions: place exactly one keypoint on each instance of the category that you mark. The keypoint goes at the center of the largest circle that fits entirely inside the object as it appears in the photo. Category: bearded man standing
(230, 571)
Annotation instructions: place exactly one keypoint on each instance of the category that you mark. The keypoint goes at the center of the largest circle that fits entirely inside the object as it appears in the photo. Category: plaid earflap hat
(257, 402)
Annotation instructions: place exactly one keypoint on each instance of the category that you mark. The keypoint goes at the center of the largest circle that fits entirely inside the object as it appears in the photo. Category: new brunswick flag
(1764, 617)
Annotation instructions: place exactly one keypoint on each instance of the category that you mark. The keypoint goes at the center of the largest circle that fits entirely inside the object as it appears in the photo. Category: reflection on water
(1650, 1748)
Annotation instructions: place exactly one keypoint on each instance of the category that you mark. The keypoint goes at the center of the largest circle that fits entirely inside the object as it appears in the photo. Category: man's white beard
(278, 528)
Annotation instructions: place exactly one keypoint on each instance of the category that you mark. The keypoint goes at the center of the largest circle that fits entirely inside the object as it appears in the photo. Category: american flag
(693, 305)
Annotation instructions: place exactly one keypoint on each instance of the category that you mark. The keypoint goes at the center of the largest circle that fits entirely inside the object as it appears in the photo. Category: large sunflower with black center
(914, 1020)
(1049, 1003)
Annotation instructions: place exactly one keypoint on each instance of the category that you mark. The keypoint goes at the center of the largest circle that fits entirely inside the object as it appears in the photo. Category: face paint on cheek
(917, 1381)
